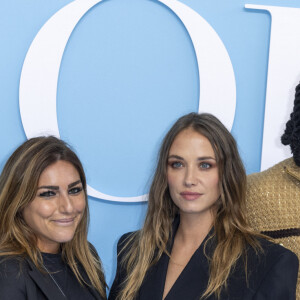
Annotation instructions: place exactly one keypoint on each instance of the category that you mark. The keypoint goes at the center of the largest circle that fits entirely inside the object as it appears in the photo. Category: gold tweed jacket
(273, 205)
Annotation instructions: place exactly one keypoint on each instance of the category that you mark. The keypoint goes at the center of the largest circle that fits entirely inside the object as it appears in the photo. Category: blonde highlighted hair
(231, 230)
(18, 187)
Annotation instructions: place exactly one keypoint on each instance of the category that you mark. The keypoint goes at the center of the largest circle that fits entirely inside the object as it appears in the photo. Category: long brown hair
(230, 227)
(18, 187)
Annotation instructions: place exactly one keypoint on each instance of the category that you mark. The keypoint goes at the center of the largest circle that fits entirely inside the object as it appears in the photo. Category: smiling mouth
(64, 222)
(190, 195)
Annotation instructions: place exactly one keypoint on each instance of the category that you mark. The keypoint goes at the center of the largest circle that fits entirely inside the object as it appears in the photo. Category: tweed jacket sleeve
(273, 205)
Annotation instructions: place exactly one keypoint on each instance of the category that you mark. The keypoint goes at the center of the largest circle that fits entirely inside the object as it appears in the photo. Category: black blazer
(272, 275)
(21, 280)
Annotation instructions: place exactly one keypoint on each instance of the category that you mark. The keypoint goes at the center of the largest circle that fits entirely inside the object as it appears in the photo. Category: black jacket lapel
(192, 281)
(154, 282)
(190, 284)
(45, 283)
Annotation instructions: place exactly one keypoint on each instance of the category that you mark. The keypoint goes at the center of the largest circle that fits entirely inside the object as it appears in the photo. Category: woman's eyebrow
(206, 158)
(56, 188)
(176, 157)
(50, 187)
(199, 158)
(74, 183)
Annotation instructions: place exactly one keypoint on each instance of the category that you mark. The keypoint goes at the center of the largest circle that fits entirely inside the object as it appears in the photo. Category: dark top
(64, 278)
(21, 280)
(272, 275)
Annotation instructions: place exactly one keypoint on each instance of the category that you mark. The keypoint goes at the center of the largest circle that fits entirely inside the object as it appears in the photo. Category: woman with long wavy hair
(44, 252)
(195, 242)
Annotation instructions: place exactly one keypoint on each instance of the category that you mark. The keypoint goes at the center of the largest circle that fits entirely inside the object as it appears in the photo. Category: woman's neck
(193, 229)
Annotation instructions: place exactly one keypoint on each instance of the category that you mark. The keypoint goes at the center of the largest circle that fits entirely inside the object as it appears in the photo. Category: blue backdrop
(128, 72)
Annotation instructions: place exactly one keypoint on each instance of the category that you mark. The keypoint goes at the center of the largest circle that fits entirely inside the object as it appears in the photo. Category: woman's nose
(65, 203)
(190, 177)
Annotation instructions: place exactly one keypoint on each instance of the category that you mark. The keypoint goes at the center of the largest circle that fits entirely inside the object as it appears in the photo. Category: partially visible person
(196, 242)
(273, 196)
(44, 252)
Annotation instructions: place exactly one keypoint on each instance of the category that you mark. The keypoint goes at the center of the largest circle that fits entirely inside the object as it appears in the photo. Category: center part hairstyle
(18, 187)
(231, 231)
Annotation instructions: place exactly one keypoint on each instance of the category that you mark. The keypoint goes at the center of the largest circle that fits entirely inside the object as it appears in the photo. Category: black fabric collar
(44, 282)
(48, 287)
(194, 276)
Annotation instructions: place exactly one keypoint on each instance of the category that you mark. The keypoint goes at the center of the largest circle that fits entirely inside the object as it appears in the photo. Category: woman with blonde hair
(195, 242)
(44, 252)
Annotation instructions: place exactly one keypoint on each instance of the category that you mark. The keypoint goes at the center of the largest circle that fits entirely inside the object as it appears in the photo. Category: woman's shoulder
(269, 270)
(93, 250)
(12, 264)
(272, 271)
(13, 270)
(126, 240)
(270, 256)
(274, 249)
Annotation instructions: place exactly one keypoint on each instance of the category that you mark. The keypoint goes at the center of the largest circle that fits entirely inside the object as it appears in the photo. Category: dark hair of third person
(291, 134)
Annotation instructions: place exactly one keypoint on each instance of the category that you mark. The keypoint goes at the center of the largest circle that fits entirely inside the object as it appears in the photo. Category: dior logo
(38, 84)
(39, 77)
